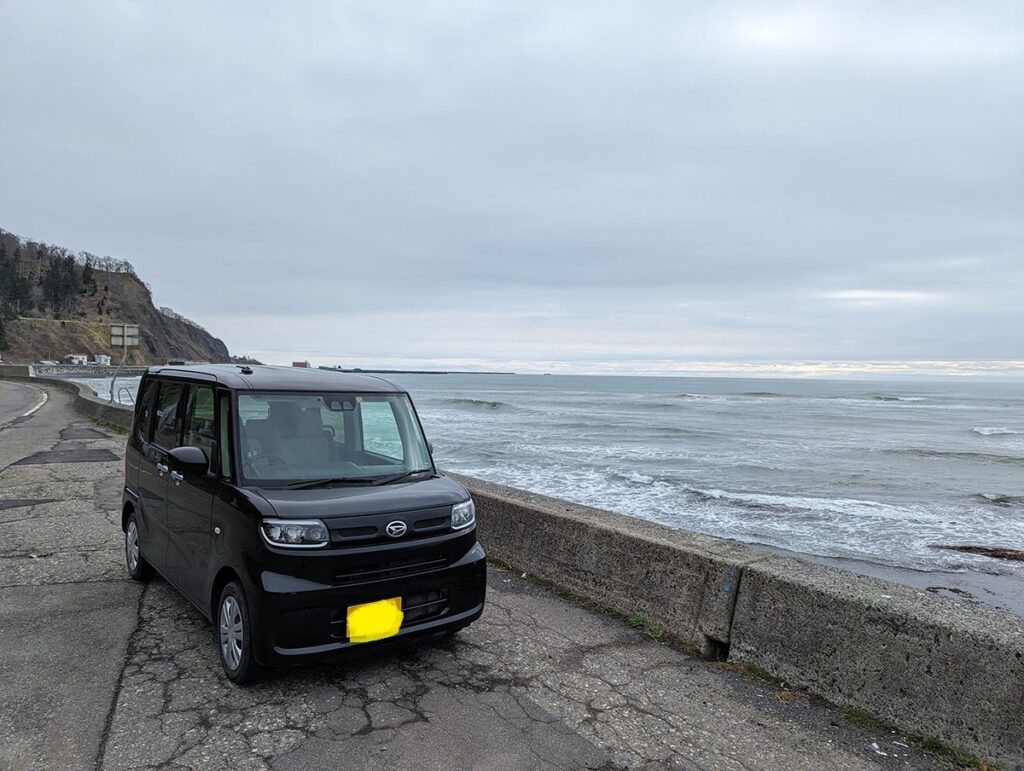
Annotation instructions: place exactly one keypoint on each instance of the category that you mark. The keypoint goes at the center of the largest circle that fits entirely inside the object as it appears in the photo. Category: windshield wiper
(397, 477)
(307, 483)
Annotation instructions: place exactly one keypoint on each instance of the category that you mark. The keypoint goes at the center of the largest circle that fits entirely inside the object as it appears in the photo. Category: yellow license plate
(374, 620)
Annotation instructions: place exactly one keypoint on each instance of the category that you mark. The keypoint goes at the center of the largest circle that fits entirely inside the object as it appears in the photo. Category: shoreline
(968, 587)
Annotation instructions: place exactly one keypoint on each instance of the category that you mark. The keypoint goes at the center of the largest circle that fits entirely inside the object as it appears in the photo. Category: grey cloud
(592, 166)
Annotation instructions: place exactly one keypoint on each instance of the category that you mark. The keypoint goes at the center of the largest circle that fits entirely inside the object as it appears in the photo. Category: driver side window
(199, 423)
(167, 430)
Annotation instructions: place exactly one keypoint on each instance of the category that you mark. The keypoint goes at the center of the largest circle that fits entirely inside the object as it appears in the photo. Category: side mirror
(188, 460)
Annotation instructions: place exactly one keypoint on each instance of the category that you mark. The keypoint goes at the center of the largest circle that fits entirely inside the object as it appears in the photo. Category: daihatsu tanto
(299, 510)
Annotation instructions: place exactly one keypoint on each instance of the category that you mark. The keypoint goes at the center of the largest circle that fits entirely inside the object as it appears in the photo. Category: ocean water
(881, 472)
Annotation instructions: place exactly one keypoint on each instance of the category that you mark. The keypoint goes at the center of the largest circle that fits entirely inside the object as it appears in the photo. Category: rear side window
(145, 412)
(199, 424)
(167, 431)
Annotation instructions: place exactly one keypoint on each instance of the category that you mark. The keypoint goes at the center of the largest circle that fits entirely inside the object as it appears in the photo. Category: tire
(234, 635)
(137, 566)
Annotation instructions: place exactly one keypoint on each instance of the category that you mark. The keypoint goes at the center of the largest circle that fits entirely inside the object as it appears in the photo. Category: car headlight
(463, 515)
(295, 533)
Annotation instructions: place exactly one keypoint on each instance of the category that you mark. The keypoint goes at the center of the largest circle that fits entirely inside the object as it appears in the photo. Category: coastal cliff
(55, 302)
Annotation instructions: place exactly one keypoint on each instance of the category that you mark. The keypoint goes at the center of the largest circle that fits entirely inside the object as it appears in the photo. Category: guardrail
(928, 665)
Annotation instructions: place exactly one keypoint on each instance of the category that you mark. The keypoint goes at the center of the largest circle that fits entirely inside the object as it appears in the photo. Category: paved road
(16, 399)
(99, 672)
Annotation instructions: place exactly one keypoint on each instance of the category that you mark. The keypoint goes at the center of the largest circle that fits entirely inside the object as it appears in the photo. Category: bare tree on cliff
(61, 280)
(15, 289)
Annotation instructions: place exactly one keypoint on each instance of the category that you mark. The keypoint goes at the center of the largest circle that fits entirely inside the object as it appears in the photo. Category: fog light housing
(463, 515)
(295, 533)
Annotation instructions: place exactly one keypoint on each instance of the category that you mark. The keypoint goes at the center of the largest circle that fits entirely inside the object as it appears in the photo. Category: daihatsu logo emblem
(396, 529)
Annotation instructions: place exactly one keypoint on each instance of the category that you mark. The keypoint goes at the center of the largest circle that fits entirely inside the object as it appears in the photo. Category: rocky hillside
(55, 302)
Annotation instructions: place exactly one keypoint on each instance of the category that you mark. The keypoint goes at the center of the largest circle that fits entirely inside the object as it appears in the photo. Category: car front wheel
(234, 635)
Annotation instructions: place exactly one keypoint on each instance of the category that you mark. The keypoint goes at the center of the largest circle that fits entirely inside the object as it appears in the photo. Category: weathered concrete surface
(62, 648)
(538, 683)
(919, 661)
(929, 664)
(683, 581)
(66, 608)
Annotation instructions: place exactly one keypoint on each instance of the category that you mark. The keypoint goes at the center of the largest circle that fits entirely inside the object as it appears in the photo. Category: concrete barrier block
(85, 401)
(683, 582)
(16, 370)
(929, 665)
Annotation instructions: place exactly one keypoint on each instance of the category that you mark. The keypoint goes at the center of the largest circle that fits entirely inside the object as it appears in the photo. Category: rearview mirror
(188, 460)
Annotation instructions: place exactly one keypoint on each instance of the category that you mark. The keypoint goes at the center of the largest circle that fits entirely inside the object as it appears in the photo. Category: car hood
(348, 501)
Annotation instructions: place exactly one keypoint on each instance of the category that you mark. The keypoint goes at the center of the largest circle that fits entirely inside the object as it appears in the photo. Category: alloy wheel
(231, 635)
(131, 546)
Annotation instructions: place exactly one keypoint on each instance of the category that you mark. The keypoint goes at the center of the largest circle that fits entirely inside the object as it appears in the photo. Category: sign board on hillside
(124, 335)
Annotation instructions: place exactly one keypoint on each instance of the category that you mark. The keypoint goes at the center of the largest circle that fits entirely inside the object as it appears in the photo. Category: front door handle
(162, 468)
(176, 477)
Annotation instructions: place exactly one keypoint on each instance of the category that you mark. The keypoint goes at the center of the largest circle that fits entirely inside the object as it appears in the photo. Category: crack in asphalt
(101, 750)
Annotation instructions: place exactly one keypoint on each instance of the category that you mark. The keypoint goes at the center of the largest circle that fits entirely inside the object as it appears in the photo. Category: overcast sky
(579, 186)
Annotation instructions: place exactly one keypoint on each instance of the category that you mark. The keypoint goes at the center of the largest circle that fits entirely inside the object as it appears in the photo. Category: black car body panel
(200, 530)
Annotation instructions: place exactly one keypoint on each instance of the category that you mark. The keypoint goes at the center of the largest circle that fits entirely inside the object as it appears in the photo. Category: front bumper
(302, 619)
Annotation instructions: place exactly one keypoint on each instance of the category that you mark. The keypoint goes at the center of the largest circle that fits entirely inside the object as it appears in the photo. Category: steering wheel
(265, 461)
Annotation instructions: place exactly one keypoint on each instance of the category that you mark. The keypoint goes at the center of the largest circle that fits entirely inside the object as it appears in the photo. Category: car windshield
(288, 438)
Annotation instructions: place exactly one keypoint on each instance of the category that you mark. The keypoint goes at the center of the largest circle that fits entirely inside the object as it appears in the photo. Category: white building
(101, 360)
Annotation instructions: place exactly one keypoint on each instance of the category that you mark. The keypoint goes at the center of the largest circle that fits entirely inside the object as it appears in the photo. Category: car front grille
(355, 532)
(424, 607)
(381, 571)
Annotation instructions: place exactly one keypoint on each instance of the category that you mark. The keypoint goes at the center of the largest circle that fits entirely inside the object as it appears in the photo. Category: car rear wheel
(138, 568)
(234, 635)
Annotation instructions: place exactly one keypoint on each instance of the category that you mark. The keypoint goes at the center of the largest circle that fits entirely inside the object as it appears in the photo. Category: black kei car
(299, 510)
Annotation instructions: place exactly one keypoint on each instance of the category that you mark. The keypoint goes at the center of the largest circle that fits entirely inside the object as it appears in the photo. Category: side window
(199, 420)
(380, 430)
(144, 415)
(225, 436)
(334, 422)
(167, 431)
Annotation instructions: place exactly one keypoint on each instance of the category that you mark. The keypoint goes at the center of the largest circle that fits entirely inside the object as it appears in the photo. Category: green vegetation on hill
(54, 302)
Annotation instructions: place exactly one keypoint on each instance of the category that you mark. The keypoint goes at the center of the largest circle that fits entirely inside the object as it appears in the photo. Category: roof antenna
(244, 368)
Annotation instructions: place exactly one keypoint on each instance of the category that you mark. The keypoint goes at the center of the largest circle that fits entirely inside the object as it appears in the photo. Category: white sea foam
(995, 431)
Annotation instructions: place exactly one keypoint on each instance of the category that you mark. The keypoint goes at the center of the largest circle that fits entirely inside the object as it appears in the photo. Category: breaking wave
(977, 457)
(479, 404)
(995, 431)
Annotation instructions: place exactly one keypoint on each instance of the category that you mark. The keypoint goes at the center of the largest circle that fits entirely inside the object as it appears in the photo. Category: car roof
(260, 377)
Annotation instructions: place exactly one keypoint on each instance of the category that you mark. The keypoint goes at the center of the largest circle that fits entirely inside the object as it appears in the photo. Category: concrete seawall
(924, 663)
(86, 401)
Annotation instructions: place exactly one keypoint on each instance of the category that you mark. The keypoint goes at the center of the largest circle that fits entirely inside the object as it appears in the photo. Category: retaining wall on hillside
(926, 664)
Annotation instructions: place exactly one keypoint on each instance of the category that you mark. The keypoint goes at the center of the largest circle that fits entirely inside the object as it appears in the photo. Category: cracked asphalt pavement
(101, 672)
